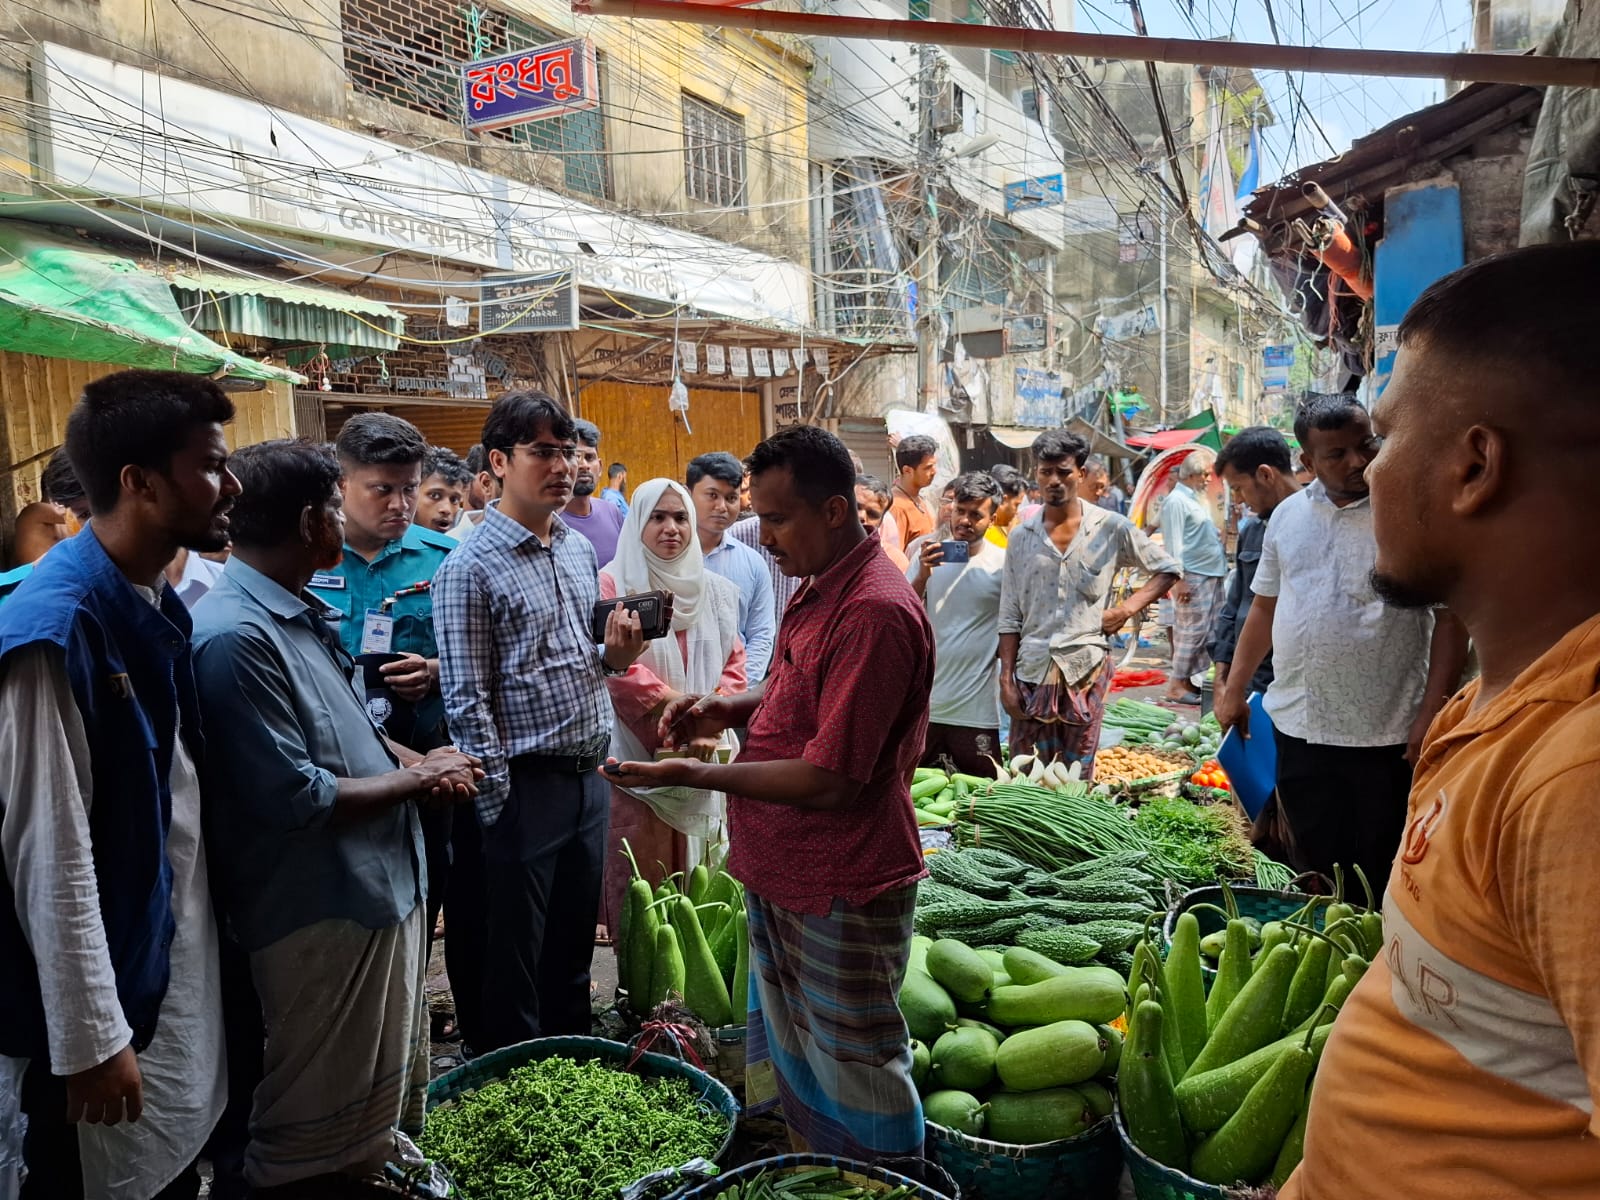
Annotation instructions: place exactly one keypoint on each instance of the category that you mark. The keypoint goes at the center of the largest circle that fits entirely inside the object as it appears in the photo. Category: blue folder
(1252, 762)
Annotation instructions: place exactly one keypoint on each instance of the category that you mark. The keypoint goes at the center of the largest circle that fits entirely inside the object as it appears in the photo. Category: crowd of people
(269, 715)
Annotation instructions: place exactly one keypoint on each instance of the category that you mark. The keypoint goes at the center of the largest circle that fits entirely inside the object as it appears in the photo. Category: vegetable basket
(497, 1064)
(1263, 904)
(931, 1186)
(1087, 1166)
(1152, 1181)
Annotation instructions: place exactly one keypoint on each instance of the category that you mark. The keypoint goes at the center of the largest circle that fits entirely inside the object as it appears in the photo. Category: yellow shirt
(1466, 1064)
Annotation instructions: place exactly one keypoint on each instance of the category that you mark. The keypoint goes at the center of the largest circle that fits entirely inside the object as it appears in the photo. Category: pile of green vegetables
(813, 1183)
(1091, 912)
(1012, 1047)
(1053, 830)
(1218, 1085)
(1145, 724)
(690, 941)
(564, 1130)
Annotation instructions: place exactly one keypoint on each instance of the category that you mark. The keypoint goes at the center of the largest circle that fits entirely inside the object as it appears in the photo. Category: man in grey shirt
(311, 817)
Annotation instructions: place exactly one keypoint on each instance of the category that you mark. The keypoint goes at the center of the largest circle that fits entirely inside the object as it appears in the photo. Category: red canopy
(1167, 439)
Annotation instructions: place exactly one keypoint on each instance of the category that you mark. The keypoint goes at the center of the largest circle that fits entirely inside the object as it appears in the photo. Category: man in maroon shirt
(822, 832)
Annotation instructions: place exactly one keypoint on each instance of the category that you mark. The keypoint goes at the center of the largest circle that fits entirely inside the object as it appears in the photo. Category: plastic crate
(1086, 1166)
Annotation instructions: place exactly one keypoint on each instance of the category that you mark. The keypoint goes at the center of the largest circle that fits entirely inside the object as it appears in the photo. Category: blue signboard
(530, 85)
(1034, 193)
(1039, 401)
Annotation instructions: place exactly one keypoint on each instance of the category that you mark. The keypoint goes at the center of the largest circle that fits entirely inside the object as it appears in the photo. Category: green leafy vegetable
(562, 1130)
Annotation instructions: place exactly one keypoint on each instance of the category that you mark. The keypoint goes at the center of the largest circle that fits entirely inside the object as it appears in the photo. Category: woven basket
(713, 1096)
(1152, 1181)
(1087, 1166)
(928, 1187)
(1261, 903)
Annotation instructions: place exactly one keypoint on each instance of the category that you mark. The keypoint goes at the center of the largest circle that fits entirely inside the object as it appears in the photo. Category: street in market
(679, 601)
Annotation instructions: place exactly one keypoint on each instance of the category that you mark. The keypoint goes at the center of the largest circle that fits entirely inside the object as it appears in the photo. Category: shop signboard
(528, 304)
(530, 85)
(1276, 362)
(1034, 193)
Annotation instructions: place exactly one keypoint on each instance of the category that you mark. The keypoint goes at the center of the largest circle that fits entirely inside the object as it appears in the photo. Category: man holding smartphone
(524, 686)
(959, 581)
(822, 831)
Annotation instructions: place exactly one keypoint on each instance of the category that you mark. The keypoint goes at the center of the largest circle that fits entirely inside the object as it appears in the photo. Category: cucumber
(955, 1110)
(927, 1007)
(1097, 1096)
(1054, 1055)
(1093, 994)
(1029, 966)
(964, 1058)
(921, 1061)
(960, 970)
(1030, 1118)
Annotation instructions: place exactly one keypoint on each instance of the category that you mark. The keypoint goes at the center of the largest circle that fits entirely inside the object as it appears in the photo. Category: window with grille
(409, 52)
(713, 153)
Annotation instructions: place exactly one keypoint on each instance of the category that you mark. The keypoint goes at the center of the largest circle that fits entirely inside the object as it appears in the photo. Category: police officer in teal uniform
(381, 593)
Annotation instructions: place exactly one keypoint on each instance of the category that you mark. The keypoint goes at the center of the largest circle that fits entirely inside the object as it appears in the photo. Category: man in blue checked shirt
(524, 687)
(714, 481)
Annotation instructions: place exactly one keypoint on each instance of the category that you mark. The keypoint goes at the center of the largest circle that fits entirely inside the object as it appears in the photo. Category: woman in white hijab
(658, 549)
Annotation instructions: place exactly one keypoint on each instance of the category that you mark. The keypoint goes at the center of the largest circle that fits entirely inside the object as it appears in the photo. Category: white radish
(1037, 772)
(1021, 764)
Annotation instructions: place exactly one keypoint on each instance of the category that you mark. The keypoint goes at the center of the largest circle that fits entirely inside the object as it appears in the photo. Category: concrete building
(322, 148)
(1513, 26)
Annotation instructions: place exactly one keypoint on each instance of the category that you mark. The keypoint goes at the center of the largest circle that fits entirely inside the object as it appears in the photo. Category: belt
(561, 764)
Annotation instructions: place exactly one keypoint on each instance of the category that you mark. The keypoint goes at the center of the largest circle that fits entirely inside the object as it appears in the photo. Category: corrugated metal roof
(276, 310)
(1385, 157)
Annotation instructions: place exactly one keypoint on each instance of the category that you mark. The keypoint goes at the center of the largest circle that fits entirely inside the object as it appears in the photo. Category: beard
(1405, 593)
(583, 485)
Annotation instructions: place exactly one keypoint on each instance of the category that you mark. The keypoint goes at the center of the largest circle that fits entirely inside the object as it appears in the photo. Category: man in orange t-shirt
(1466, 1064)
(917, 460)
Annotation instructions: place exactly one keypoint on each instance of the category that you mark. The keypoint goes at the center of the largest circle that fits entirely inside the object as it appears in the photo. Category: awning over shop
(223, 302)
(1100, 443)
(67, 299)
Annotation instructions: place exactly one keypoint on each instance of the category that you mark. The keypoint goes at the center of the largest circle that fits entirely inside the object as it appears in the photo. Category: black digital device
(654, 610)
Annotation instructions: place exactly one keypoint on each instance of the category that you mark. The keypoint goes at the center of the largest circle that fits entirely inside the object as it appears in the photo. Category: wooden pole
(1531, 70)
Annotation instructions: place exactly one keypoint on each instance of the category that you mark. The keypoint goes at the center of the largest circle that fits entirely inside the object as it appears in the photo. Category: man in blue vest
(110, 1011)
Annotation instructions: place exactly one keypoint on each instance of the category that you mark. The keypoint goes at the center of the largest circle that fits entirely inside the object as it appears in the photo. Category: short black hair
(140, 419)
(977, 485)
(912, 450)
(1531, 309)
(815, 459)
(1255, 447)
(521, 416)
(380, 439)
(279, 480)
(876, 486)
(447, 465)
(586, 432)
(1055, 444)
(477, 460)
(719, 465)
(1009, 479)
(1325, 410)
(58, 482)
(615, 469)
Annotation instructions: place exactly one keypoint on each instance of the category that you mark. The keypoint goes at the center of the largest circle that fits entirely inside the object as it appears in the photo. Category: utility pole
(927, 273)
(1161, 310)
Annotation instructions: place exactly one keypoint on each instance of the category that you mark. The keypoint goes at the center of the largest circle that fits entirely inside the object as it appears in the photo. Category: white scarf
(637, 568)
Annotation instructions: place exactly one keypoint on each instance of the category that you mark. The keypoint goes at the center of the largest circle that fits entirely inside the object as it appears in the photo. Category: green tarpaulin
(68, 299)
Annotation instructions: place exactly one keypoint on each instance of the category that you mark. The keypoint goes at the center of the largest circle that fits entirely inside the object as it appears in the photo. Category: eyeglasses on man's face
(545, 452)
